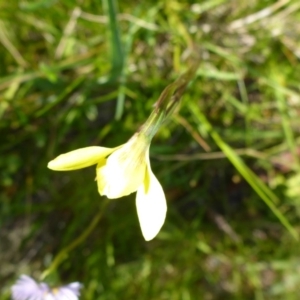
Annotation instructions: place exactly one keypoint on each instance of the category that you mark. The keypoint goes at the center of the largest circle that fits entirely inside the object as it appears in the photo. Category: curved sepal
(151, 205)
(80, 158)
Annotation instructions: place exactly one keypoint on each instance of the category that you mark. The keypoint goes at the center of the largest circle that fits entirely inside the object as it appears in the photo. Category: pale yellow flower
(121, 171)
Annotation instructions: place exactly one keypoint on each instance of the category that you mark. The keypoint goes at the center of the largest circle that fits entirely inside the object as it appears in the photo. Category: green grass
(76, 74)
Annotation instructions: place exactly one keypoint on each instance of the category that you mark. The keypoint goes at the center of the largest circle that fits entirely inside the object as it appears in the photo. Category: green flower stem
(171, 95)
(168, 101)
(63, 254)
(153, 123)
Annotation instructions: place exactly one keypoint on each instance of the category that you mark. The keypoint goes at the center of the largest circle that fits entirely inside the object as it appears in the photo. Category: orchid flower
(124, 170)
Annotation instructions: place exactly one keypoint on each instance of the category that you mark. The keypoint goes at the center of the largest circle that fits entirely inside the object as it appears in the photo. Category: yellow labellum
(121, 171)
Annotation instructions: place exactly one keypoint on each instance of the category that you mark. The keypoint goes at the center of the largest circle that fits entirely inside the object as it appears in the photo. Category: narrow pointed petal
(151, 205)
(80, 158)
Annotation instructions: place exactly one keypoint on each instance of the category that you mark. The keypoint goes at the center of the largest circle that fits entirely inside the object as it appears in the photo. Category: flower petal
(124, 170)
(151, 205)
(74, 287)
(27, 288)
(80, 158)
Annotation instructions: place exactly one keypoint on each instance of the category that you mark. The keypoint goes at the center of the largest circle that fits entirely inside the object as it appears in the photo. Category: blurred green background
(82, 73)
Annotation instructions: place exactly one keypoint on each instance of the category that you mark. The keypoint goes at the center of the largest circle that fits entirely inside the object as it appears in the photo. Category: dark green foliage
(64, 86)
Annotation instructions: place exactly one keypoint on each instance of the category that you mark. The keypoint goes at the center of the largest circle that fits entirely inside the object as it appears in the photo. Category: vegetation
(83, 73)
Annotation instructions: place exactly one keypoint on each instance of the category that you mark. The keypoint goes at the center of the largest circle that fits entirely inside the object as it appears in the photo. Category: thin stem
(167, 101)
(62, 255)
(173, 92)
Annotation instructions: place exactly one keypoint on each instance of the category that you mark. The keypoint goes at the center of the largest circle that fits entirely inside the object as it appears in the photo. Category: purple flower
(28, 289)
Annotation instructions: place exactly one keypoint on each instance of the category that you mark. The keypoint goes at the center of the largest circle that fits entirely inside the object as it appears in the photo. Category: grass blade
(258, 186)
